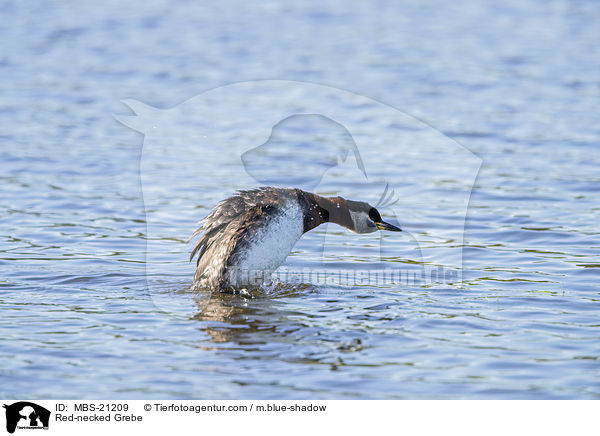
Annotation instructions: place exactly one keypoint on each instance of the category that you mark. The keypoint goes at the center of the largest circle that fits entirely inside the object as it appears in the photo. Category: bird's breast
(269, 245)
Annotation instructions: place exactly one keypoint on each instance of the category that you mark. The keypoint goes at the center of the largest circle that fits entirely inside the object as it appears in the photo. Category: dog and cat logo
(26, 415)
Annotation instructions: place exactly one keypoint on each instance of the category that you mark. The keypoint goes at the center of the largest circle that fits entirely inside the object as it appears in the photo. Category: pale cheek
(367, 227)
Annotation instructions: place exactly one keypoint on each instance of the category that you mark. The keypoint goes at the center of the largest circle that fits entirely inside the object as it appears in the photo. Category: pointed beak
(387, 226)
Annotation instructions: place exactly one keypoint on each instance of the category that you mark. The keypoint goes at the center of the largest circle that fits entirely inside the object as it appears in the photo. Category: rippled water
(516, 84)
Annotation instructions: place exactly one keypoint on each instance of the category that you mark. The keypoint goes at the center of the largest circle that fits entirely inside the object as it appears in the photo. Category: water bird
(248, 235)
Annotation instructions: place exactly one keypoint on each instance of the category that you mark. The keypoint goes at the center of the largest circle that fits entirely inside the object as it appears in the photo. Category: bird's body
(248, 235)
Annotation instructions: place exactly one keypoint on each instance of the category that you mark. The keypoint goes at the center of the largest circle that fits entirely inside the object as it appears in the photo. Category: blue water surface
(517, 83)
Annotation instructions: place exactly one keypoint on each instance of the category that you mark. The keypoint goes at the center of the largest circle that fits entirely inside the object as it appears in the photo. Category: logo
(26, 415)
(319, 139)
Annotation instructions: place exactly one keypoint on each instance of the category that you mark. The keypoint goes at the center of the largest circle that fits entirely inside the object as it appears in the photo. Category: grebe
(248, 235)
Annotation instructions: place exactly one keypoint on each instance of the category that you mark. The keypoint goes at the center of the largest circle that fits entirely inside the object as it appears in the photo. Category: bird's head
(366, 219)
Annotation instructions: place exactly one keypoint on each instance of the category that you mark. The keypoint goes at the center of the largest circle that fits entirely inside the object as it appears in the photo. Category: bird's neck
(319, 210)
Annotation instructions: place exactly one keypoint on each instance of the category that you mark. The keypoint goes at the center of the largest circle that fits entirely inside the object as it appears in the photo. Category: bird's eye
(374, 215)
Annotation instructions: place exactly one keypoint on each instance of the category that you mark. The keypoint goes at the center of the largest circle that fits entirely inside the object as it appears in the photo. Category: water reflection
(246, 319)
